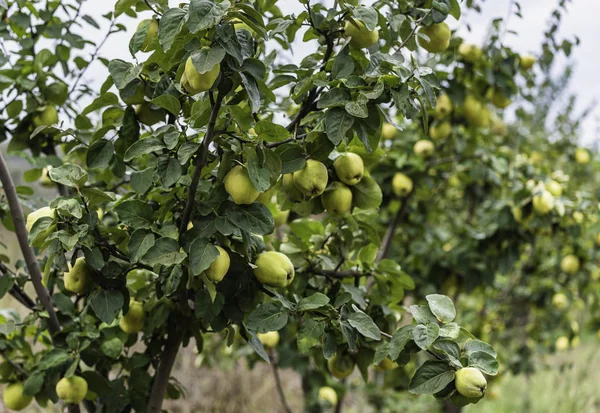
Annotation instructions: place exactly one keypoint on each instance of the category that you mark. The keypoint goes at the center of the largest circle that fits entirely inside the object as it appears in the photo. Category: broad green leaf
(364, 325)
(69, 175)
(255, 218)
(170, 25)
(123, 72)
(267, 317)
(165, 251)
(425, 335)
(472, 346)
(140, 242)
(337, 123)
(206, 58)
(431, 377)
(137, 214)
(99, 154)
(271, 132)
(202, 253)
(312, 302)
(399, 340)
(442, 307)
(309, 335)
(484, 362)
(107, 304)
(169, 102)
(366, 194)
(204, 14)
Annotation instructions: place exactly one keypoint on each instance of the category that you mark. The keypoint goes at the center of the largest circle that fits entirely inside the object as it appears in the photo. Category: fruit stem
(22, 236)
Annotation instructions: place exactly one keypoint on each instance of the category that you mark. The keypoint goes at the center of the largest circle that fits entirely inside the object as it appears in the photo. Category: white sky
(581, 20)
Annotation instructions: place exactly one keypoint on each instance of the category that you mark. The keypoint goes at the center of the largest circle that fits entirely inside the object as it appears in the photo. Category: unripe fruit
(527, 61)
(219, 267)
(312, 179)
(423, 148)
(361, 36)
(562, 343)
(197, 82)
(270, 339)
(72, 390)
(582, 156)
(443, 106)
(14, 399)
(78, 277)
(341, 366)
(350, 168)
(470, 382)
(402, 184)
(499, 99)
(329, 395)
(560, 301)
(575, 342)
(388, 131)
(280, 217)
(543, 203)
(133, 321)
(337, 199)
(242, 26)
(570, 264)
(386, 364)
(440, 130)
(47, 117)
(290, 189)
(40, 213)
(554, 188)
(239, 186)
(152, 30)
(470, 52)
(439, 37)
(274, 268)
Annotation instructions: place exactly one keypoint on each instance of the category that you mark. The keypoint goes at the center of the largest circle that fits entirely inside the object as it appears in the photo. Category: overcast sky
(581, 20)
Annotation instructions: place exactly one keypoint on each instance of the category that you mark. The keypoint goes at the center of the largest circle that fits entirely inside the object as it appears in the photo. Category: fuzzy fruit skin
(402, 184)
(499, 99)
(350, 168)
(543, 203)
(386, 364)
(148, 116)
(527, 61)
(152, 30)
(290, 189)
(439, 37)
(470, 52)
(560, 301)
(280, 217)
(14, 399)
(337, 199)
(440, 131)
(388, 131)
(554, 188)
(443, 106)
(341, 366)
(470, 382)
(200, 82)
(72, 390)
(47, 117)
(423, 148)
(570, 264)
(78, 277)
(582, 156)
(219, 267)
(361, 36)
(328, 394)
(269, 339)
(312, 179)
(35, 215)
(133, 321)
(239, 186)
(477, 114)
(275, 269)
(562, 343)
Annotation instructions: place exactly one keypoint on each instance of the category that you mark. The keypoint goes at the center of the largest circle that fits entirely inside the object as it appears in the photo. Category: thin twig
(412, 33)
(389, 235)
(14, 364)
(280, 391)
(21, 231)
(152, 8)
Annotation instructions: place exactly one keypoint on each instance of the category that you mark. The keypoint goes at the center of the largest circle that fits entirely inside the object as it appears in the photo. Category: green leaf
(255, 218)
(271, 132)
(165, 251)
(472, 346)
(399, 340)
(123, 6)
(450, 330)
(425, 335)
(206, 58)
(106, 99)
(169, 170)
(107, 304)
(381, 353)
(431, 377)
(366, 194)
(202, 253)
(364, 325)
(169, 102)
(309, 335)
(337, 123)
(33, 384)
(123, 72)
(312, 302)
(140, 242)
(170, 26)
(258, 347)
(69, 175)
(455, 9)
(137, 214)
(484, 362)
(204, 14)
(442, 307)
(422, 314)
(267, 317)
(99, 154)
(54, 358)
(142, 180)
(367, 15)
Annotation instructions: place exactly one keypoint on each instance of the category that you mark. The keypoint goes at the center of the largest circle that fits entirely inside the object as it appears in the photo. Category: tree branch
(21, 231)
(14, 364)
(343, 274)
(412, 33)
(161, 378)
(200, 161)
(280, 391)
(389, 235)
